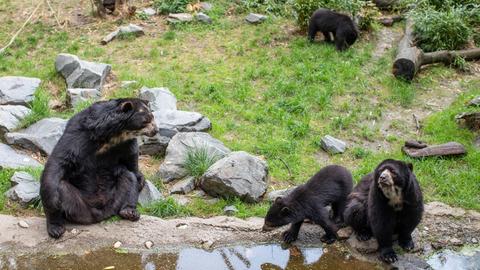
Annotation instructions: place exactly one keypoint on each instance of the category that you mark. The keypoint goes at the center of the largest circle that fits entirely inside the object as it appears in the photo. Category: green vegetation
(198, 160)
(268, 91)
(171, 6)
(165, 208)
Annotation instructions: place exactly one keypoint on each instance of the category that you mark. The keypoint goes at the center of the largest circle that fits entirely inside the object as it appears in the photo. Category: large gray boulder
(161, 99)
(17, 90)
(239, 174)
(25, 189)
(39, 137)
(255, 18)
(11, 159)
(149, 194)
(81, 74)
(11, 116)
(172, 167)
(333, 145)
(79, 95)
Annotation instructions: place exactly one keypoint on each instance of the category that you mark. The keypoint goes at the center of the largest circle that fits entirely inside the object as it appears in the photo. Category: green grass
(269, 92)
(198, 160)
(165, 208)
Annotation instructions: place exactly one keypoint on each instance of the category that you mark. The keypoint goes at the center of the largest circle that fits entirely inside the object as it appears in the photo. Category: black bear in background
(330, 186)
(92, 173)
(342, 27)
(387, 201)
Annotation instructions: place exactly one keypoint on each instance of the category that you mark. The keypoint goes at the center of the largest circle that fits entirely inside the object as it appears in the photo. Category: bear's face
(278, 215)
(140, 121)
(391, 177)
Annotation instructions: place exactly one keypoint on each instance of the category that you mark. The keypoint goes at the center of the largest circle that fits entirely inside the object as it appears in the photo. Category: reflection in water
(265, 257)
(464, 260)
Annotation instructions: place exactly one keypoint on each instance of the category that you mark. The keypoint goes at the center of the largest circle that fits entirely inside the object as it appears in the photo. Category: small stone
(183, 186)
(204, 18)
(474, 240)
(181, 199)
(455, 241)
(207, 244)
(344, 233)
(78, 95)
(149, 244)
(333, 145)
(81, 74)
(149, 11)
(255, 18)
(179, 17)
(230, 210)
(23, 224)
(74, 231)
(474, 102)
(25, 189)
(117, 244)
(206, 6)
(149, 194)
(130, 29)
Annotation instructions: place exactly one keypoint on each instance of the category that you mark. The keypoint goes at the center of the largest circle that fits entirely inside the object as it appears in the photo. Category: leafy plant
(368, 14)
(441, 30)
(170, 6)
(276, 7)
(198, 160)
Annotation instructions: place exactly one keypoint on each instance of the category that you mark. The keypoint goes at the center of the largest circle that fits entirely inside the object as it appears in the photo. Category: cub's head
(392, 177)
(278, 215)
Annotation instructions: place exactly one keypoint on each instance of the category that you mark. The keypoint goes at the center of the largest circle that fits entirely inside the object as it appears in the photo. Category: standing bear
(385, 202)
(328, 187)
(92, 173)
(342, 27)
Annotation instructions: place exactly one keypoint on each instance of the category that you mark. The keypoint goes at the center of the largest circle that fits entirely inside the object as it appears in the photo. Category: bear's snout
(150, 130)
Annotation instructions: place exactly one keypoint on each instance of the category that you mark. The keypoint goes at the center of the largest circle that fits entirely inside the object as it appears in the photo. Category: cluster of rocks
(84, 79)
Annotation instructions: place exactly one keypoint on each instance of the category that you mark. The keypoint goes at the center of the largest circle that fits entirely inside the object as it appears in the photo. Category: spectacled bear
(328, 187)
(92, 173)
(387, 201)
(342, 27)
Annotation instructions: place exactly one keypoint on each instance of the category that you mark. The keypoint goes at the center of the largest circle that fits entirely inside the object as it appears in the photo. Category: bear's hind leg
(128, 186)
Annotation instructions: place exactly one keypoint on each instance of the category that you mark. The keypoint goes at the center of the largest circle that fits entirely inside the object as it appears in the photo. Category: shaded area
(267, 256)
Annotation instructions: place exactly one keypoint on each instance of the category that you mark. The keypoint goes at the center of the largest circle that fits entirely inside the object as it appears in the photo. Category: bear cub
(342, 27)
(92, 173)
(385, 202)
(330, 186)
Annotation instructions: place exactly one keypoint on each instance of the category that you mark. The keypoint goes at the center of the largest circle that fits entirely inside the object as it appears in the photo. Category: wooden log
(410, 58)
(447, 149)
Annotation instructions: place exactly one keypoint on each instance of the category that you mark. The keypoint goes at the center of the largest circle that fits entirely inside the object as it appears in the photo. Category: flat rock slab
(131, 29)
(238, 174)
(447, 149)
(39, 137)
(79, 95)
(333, 145)
(179, 17)
(17, 90)
(11, 116)
(154, 146)
(149, 194)
(25, 189)
(81, 74)
(204, 18)
(182, 121)
(255, 18)
(11, 159)
(149, 11)
(173, 168)
(160, 99)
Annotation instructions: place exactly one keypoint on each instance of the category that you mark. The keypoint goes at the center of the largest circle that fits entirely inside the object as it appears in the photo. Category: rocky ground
(442, 227)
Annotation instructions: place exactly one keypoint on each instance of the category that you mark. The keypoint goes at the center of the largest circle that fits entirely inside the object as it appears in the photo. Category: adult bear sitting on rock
(329, 187)
(92, 173)
(387, 201)
(342, 27)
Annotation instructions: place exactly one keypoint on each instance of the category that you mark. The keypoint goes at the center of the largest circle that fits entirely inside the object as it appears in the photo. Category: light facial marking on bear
(390, 190)
(124, 136)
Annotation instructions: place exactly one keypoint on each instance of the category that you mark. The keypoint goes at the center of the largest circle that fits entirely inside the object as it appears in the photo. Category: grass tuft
(198, 160)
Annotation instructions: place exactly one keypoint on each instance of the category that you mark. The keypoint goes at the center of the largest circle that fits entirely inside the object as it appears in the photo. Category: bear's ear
(278, 200)
(126, 106)
(410, 166)
(285, 211)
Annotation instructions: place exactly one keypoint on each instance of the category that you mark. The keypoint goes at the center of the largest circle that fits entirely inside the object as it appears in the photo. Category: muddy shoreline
(442, 227)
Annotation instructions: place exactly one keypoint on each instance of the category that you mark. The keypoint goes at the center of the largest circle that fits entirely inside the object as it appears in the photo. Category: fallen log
(410, 58)
(385, 4)
(447, 149)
